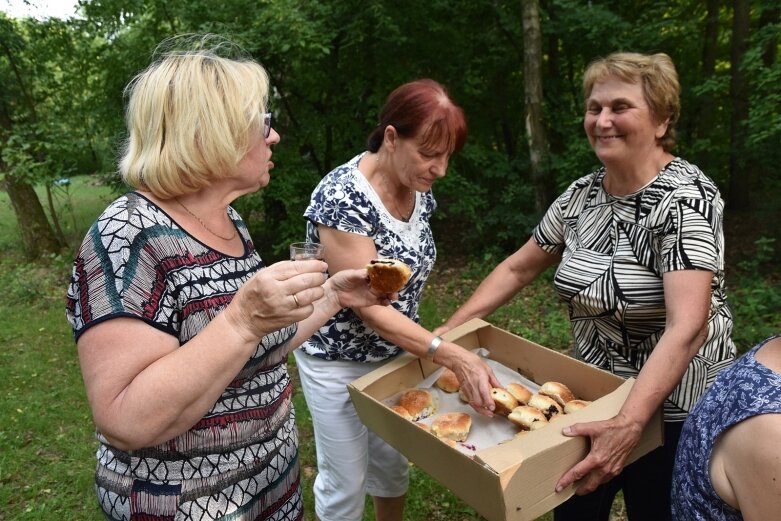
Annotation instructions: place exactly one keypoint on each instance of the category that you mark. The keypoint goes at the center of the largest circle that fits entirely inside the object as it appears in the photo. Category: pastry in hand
(504, 401)
(388, 275)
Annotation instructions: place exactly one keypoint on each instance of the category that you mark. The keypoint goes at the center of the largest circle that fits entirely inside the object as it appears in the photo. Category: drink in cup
(307, 250)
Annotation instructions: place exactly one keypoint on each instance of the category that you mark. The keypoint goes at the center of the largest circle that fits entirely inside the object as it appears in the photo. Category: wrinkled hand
(611, 442)
(476, 379)
(276, 297)
(350, 289)
(441, 330)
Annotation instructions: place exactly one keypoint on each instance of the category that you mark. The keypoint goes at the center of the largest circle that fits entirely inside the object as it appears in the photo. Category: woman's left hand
(350, 289)
(611, 443)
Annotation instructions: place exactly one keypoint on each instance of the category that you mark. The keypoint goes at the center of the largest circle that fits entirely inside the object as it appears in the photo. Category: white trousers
(352, 461)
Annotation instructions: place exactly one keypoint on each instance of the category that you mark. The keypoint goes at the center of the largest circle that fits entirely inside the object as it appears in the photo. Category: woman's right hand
(474, 374)
(276, 297)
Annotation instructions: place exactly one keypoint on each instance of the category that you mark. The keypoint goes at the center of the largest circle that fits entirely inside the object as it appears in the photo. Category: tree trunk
(535, 130)
(703, 117)
(740, 178)
(38, 238)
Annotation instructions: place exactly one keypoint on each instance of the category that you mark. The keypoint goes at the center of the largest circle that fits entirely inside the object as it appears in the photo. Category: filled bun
(528, 418)
(519, 392)
(546, 404)
(575, 405)
(448, 382)
(504, 401)
(448, 441)
(388, 275)
(452, 425)
(418, 402)
(558, 391)
(401, 411)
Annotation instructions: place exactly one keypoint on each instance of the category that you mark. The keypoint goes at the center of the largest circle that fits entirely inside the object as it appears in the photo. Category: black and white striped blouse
(615, 251)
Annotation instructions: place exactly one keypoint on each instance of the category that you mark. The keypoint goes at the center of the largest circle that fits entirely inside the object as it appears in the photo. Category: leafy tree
(332, 64)
(28, 134)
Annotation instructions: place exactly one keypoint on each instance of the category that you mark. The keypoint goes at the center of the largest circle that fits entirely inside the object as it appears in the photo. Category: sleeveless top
(240, 461)
(614, 254)
(746, 389)
(345, 201)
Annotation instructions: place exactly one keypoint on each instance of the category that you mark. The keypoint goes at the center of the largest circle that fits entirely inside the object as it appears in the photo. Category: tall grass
(46, 437)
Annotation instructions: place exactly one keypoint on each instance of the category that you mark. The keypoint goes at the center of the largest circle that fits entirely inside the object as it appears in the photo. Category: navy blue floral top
(746, 389)
(344, 200)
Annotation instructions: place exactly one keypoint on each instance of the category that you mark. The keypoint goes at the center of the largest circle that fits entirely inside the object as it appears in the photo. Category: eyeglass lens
(267, 122)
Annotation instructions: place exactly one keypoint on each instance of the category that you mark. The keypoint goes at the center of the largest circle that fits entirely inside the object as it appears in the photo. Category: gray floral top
(344, 200)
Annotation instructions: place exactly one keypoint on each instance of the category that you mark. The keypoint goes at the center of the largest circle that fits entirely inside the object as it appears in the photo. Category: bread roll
(448, 382)
(462, 396)
(448, 441)
(401, 411)
(519, 392)
(423, 426)
(575, 405)
(418, 402)
(504, 401)
(546, 404)
(558, 391)
(528, 418)
(452, 425)
(388, 275)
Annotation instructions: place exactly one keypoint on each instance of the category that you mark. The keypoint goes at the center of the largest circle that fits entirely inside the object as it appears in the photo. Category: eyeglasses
(267, 120)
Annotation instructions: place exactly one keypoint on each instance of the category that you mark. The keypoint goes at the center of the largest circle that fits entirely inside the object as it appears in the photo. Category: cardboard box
(513, 480)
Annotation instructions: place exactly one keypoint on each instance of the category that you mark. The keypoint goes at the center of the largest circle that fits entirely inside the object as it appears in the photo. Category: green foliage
(755, 302)
(332, 64)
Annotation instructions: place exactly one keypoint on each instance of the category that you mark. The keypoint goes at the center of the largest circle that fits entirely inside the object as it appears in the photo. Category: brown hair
(656, 74)
(424, 109)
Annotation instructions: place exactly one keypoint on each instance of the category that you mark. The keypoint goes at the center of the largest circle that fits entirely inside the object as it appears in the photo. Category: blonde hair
(656, 74)
(191, 116)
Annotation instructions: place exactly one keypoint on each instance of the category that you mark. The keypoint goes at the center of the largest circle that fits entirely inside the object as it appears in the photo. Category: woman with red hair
(376, 205)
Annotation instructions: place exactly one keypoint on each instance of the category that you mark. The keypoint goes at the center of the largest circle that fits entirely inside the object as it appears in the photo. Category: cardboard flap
(504, 456)
(391, 378)
(464, 329)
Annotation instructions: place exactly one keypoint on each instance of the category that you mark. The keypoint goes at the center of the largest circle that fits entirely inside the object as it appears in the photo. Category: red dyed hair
(422, 109)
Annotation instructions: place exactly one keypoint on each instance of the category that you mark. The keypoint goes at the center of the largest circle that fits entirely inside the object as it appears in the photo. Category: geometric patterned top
(614, 252)
(746, 389)
(344, 200)
(240, 460)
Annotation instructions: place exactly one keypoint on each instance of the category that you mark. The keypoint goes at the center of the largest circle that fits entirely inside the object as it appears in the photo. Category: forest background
(515, 67)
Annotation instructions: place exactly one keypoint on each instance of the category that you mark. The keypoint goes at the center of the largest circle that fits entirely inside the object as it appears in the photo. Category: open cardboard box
(513, 480)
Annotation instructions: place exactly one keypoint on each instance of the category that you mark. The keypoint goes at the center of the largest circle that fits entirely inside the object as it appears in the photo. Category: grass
(46, 437)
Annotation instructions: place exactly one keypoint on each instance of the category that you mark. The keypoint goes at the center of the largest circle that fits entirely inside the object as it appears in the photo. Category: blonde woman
(182, 332)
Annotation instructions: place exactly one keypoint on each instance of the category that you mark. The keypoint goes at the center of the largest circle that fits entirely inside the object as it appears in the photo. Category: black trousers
(646, 484)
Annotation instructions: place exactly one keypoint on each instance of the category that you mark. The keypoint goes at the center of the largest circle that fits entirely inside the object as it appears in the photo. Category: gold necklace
(204, 224)
(405, 217)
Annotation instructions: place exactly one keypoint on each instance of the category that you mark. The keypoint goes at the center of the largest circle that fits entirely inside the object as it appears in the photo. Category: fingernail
(559, 489)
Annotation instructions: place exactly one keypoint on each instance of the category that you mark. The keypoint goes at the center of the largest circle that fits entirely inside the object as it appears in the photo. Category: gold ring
(298, 304)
